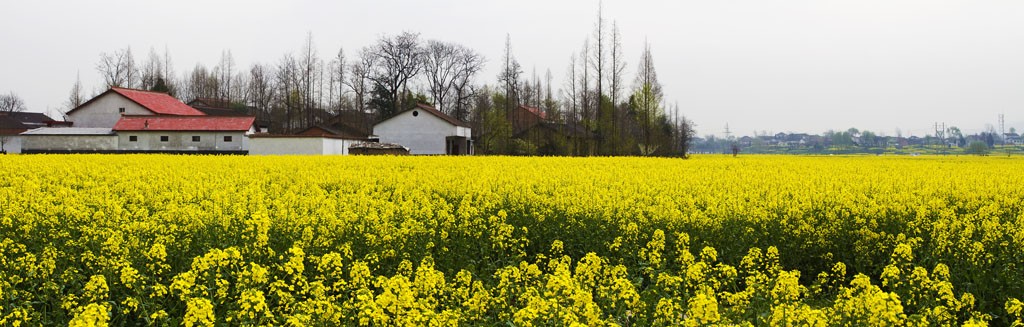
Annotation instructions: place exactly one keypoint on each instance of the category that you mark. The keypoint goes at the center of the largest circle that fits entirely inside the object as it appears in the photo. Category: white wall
(11, 143)
(103, 112)
(69, 142)
(262, 146)
(422, 134)
(181, 141)
(337, 146)
(312, 145)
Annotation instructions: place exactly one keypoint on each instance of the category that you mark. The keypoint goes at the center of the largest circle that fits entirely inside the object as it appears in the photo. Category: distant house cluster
(863, 141)
(123, 120)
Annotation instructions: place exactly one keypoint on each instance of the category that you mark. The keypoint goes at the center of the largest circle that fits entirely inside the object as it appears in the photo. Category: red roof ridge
(164, 116)
(138, 90)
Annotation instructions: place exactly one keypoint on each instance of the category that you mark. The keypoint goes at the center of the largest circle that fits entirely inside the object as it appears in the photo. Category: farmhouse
(106, 109)
(524, 117)
(425, 130)
(185, 134)
(14, 123)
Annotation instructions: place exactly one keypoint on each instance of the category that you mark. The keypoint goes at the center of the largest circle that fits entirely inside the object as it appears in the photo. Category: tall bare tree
(469, 64)
(441, 65)
(260, 91)
(510, 76)
(399, 59)
(648, 95)
(361, 71)
(571, 93)
(338, 78)
(618, 66)
(75, 97)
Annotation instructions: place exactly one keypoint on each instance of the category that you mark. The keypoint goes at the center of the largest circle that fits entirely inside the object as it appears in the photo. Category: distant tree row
(600, 113)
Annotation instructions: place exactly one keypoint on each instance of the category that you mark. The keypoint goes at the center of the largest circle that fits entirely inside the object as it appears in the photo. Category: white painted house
(104, 110)
(185, 134)
(425, 130)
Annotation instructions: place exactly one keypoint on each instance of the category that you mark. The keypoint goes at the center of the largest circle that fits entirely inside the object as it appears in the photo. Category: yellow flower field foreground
(92, 240)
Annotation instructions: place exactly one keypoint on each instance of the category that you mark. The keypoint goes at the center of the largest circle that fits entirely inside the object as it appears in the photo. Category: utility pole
(1002, 128)
(728, 137)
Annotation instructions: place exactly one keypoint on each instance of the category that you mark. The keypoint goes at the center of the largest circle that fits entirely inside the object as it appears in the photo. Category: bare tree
(571, 93)
(288, 93)
(260, 91)
(75, 98)
(618, 65)
(151, 71)
(399, 59)
(584, 85)
(114, 67)
(441, 65)
(361, 71)
(224, 72)
(11, 102)
(648, 94)
(168, 73)
(338, 77)
(510, 76)
(469, 64)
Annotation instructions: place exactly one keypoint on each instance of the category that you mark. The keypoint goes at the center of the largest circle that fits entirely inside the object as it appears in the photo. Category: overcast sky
(777, 66)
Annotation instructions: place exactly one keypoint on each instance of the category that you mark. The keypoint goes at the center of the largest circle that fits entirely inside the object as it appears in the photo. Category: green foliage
(977, 148)
(523, 147)
(161, 86)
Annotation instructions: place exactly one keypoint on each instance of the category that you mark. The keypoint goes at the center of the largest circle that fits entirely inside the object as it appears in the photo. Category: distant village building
(14, 123)
(124, 120)
(349, 124)
(106, 109)
(425, 130)
(173, 134)
(524, 117)
(1012, 139)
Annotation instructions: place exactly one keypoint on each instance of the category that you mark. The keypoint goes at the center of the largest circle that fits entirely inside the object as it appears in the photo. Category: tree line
(596, 110)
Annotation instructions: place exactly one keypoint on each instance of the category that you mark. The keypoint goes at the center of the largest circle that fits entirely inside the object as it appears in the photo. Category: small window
(133, 138)
(227, 138)
(164, 138)
(195, 138)
(120, 110)
(415, 113)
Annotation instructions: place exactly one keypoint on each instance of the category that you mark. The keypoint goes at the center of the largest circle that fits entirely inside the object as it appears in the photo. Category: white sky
(799, 66)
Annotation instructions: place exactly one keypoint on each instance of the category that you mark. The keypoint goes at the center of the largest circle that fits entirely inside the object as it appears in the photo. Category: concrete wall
(11, 143)
(103, 112)
(182, 141)
(312, 145)
(286, 146)
(422, 134)
(337, 146)
(68, 143)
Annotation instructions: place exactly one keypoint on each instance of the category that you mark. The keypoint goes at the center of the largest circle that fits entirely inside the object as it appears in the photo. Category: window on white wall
(227, 138)
(120, 110)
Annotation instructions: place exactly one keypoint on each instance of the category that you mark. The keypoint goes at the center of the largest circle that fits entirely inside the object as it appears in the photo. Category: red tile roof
(536, 111)
(184, 123)
(158, 102)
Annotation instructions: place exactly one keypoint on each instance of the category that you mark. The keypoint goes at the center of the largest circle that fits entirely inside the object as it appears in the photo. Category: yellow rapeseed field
(97, 240)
